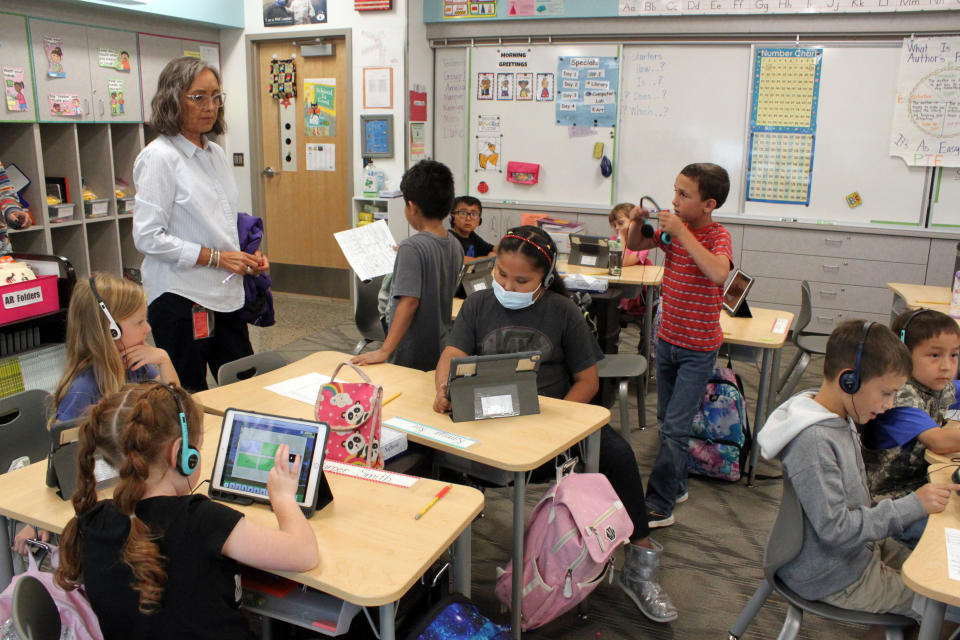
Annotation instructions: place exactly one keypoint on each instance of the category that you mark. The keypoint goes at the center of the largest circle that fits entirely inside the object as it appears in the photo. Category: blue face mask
(513, 299)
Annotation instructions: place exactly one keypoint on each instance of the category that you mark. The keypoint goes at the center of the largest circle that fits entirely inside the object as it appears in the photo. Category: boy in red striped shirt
(697, 262)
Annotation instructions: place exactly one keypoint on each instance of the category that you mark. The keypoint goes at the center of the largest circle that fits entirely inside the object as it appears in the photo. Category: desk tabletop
(944, 458)
(636, 275)
(917, 296)
(926, 571)
(758, 330)
(371, 548)
(519, 443)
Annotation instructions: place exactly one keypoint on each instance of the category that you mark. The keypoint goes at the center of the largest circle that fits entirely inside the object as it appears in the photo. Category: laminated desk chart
(783, 123)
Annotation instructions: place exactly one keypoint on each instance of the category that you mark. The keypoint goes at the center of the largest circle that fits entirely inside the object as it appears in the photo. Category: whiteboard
(569, 173)
(450, 112)
(851, 149)
(945, 199)
(681, 104)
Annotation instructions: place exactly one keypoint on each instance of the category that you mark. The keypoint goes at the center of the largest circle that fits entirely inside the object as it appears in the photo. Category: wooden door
(107, 81)
(74, 61)
(303, 208)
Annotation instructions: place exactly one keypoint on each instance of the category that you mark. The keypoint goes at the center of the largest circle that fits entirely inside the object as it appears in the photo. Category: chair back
(806, 309)
(366, 315)
(250, 366)
(35, 614)
(23, 427)
(786, 535)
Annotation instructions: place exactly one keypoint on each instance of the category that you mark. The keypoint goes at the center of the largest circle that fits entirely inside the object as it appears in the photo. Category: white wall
(390, 26)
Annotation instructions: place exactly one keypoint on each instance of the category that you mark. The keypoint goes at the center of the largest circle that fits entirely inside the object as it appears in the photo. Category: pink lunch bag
(352, 411)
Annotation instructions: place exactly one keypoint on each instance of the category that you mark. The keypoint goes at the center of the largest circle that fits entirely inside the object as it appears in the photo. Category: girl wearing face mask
(528, 310)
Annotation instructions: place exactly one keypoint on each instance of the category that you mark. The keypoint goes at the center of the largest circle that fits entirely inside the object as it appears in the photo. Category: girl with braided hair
(158, 561)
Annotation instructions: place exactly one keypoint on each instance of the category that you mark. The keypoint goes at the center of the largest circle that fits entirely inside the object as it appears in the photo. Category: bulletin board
(546, 107)
(450, 111)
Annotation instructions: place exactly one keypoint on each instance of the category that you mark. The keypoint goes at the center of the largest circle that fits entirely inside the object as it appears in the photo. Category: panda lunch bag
(352, 412)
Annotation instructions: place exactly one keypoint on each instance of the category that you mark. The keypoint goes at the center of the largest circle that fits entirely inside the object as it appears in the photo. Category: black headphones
(188, 457)
(850, 380)
(906, 323)
(113, 327)
(542, 241)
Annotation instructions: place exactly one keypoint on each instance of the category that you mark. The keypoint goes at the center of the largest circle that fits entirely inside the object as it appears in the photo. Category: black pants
(619, 464)
(171, 322)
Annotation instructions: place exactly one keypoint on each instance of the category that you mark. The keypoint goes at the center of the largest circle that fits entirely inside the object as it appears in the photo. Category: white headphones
(114, 328)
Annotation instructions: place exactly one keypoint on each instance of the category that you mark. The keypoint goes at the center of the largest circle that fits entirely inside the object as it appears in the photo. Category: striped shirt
(186, 199)
(691, 301)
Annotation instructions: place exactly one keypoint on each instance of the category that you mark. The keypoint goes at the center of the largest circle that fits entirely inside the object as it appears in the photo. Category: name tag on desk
(780, 326)
(430, 433)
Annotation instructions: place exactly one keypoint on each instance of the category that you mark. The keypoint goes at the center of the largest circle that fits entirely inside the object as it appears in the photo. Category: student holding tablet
(158, 561)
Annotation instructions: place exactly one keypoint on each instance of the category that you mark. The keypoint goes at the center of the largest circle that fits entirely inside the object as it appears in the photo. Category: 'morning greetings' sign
(22, 298)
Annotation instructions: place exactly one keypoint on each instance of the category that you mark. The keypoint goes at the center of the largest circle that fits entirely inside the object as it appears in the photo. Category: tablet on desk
(248, 443)
(477, 275)
(735, 294)
(493, 386)
(589, 251)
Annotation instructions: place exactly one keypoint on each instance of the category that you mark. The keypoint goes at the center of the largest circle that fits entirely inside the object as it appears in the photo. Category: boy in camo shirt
(895, 442)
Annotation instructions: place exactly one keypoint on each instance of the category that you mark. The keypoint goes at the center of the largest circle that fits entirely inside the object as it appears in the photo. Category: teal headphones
(187, 456)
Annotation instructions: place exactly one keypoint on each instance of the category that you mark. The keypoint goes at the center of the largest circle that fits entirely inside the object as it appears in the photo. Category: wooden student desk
(517, 444)
(371, 548)
(757, 332)
(919, 296)
(926, 572)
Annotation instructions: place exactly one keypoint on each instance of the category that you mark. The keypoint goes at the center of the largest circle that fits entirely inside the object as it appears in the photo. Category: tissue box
(392, 443)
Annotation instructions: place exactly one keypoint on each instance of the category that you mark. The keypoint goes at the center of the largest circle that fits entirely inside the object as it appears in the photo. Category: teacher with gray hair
(185, 225)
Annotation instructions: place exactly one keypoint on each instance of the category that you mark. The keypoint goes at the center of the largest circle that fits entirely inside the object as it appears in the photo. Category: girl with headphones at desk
(528, 310)
(106, 329)
(158, 561)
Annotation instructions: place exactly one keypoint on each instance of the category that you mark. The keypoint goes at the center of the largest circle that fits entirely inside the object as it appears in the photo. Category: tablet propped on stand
(245, 455)
(493, 386)
(735, 295)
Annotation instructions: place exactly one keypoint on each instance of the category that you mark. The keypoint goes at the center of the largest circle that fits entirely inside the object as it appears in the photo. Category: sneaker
(683, 497)
(656, 520)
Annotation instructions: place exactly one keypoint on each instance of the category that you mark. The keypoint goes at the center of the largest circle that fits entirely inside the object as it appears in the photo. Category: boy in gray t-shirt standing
(424, 274)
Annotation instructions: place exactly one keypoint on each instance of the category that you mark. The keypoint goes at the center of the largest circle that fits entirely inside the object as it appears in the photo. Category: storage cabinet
(156, 51)
(84, 77)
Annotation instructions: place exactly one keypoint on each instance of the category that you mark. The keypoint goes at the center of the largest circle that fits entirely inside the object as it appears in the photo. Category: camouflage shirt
(895, 472)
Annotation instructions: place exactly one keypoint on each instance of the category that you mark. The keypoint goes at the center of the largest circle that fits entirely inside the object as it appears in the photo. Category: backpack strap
(359, 371)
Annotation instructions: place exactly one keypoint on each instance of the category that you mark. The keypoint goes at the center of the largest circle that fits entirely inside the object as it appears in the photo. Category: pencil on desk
(392, 398)
(944, 302)
(436, 498)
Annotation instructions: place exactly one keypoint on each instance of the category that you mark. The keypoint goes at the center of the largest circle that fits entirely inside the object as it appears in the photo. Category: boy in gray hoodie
(848, 558)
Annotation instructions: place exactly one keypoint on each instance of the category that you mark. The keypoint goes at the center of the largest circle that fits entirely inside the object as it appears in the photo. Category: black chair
(808, 344)
(249, 366)
(783, 545)
(366, 313)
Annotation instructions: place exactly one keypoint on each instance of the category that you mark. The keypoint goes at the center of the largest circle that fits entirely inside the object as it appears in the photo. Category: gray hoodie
(820, 454)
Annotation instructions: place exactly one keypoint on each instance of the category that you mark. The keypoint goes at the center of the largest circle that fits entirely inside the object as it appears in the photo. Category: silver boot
(639, 581)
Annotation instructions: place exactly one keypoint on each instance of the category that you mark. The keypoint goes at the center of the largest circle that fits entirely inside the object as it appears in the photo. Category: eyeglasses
(464, 213)
(203, 101)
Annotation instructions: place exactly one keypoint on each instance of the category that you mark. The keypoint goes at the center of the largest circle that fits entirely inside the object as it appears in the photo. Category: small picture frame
(505, 86)
(376, 132)
(485, 88)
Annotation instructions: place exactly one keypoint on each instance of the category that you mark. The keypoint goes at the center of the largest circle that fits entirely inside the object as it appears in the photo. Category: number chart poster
(783, 124)
(586, 92)
(926, 114)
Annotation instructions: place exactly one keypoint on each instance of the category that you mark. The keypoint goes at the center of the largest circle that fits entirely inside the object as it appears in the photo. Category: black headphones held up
(850, 380)
(188, 458)
(542, 241)
(112, 325)
(906, 323)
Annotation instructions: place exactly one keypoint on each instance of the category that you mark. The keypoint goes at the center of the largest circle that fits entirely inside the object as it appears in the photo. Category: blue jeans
(682, 377)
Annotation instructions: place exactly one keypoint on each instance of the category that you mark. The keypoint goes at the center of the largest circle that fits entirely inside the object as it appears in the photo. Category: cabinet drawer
(839, 244)
(823, 294)
(866, 273)
(826, 320)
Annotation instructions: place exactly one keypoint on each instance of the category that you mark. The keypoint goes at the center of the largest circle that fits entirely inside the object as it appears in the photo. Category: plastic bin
(22, 300)
(96, 208)
(60, 212)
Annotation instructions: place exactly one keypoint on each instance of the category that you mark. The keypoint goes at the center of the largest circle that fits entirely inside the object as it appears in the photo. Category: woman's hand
(240, 262)
(264, 264)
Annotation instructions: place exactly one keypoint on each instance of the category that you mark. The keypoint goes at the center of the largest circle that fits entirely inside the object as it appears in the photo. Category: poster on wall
(115, 90)
(13, 87)
(320, 106)
(283, 13)
(118, 59)
(455, 9)
(587, 90)
(53, 47)
(926, 113)
(64, 104)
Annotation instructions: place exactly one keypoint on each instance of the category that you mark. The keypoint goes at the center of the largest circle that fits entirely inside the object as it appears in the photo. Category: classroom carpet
(712, 555)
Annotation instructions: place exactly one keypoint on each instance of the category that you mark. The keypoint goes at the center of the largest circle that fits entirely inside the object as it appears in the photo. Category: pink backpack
(77, 619)
(352, 411)
(568, 546)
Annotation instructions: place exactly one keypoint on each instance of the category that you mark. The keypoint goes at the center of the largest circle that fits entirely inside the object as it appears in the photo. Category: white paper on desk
(370, 249)
(303, 388)
(952, 537)
(952, 414)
